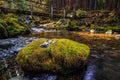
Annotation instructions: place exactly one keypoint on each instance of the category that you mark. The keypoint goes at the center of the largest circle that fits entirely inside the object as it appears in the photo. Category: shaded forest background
(82, 15)
(62, 6)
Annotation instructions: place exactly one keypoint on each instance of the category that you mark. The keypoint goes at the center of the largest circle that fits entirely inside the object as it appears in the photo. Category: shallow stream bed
(104, 61)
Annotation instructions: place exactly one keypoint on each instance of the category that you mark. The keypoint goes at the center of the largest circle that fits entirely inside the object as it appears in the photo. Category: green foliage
(106, 27)
(73, 25)
(61, 56)
(60, 24)
(14, 4)
(111, 20)
(92, 26)
(10, 26)
(80, 13)
(99, 28)
(3, 32)
(110, 30)
(63, 23)
(82, 27)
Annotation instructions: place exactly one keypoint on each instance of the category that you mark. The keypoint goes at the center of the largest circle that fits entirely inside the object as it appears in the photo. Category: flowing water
(9, 70)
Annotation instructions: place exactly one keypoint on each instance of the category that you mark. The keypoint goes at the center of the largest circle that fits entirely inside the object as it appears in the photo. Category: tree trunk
(51, 4)
(31, 8)
(95, 5)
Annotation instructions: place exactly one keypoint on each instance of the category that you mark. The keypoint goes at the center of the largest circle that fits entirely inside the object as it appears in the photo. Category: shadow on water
(9, 68)
(56, 34)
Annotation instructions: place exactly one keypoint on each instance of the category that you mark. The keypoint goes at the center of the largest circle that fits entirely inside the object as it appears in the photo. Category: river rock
(9, 47)
(62, 56)
(117, 37)
(109, 32)
(37, 29)
(5, 45)
(92, 31)
(19, 78)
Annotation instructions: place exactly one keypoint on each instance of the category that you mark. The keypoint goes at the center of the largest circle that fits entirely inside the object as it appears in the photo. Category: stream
(9, 69)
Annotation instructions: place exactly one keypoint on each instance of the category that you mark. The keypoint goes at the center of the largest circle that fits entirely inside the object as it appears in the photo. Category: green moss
(11, 26)
(106, 27)
(16, 29)
(61, 56)
(80, 13)
(82, 27)
(60, 24)
(73, 25)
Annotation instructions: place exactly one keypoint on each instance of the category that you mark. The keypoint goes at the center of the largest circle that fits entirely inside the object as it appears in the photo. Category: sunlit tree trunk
(74, 8)
(64, 8)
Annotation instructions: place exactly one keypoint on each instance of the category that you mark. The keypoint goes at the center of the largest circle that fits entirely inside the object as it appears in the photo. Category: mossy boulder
(63, 55)
(10, 26)
(15, 28)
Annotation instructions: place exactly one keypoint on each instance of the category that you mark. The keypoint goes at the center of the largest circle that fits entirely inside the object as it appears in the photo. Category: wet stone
(9, 47)
(5, 45)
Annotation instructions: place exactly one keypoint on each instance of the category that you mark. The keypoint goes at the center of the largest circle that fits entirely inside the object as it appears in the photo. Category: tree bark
(31, 7)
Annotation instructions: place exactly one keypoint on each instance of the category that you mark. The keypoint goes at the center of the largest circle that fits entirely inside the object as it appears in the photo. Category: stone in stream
(9, 47)
(5, 45)
(62, 56)
(39, 77)
(44, 45)
(109, 32)
(37, 29)
(92, 31)
(117, 37)
(47, 44)
(19, 78)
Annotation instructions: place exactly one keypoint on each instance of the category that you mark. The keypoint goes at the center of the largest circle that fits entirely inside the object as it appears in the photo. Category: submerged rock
(117, 37)
(9, 47)
(6, 44)
(61, 56)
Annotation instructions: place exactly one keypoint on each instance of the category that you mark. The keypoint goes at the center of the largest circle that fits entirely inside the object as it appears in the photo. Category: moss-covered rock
(61, 56)
(81, 13)
(10, 26)
(16, 29)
